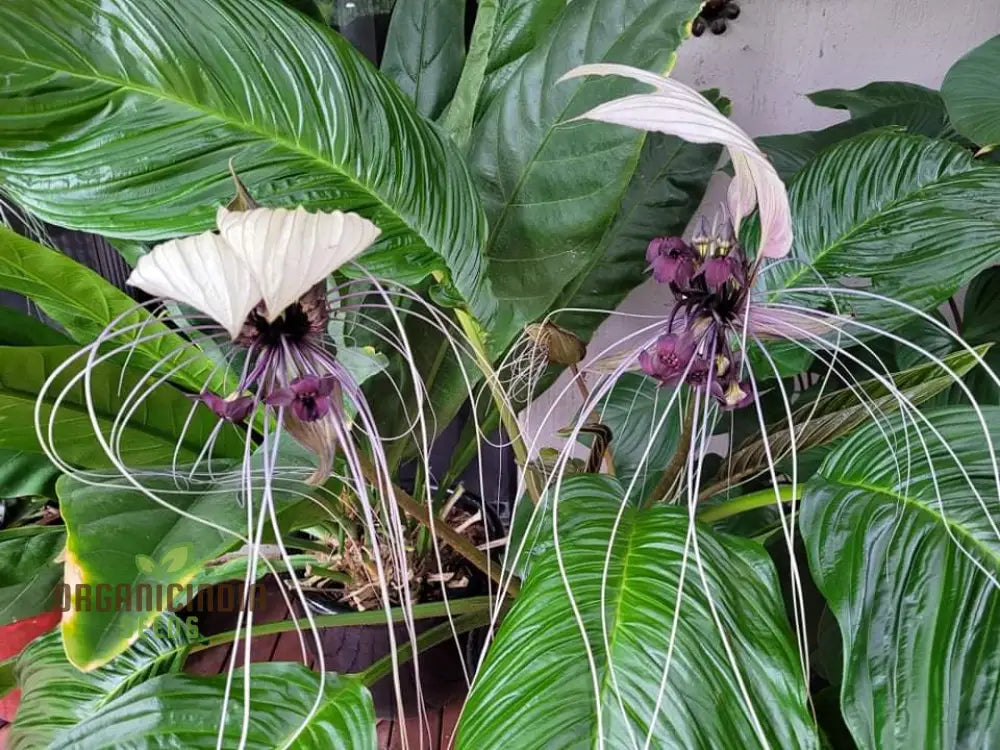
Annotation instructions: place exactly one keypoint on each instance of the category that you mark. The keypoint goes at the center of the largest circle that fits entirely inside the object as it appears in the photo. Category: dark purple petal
(735, 395)
(717, 271)
(280, 397)
(239, 408)
(326, 385)
(668, 358)
(664, 246)
(214, 402)
(232, 410)
(305, 385)
(673, 270)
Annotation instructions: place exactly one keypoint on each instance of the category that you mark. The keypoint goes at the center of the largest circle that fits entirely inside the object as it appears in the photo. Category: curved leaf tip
(678, 110)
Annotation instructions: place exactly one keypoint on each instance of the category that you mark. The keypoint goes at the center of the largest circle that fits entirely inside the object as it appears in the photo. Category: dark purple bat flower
(711, 280)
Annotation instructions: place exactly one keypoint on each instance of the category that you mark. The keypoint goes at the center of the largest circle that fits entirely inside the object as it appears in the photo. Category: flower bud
(561, 346)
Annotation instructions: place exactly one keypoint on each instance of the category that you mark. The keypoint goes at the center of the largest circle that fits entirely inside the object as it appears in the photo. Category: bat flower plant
(373, 454)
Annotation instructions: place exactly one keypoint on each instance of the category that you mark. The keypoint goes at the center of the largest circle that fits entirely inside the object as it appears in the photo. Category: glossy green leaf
(519, 27)
(551, 188)
(790, 153)
(157, 433)
(18, 329)
(112, 529)
(664, 193)
(877, 96)
(909, 562)
(56, 696)
(84, 304)
(972, 93)
(184, 711)
(26, 474)
(838, 413)
(635, 412)
(883, 104)
(29, 575)
(980, 325)
(536, 688)
(424, 51)
(123, 115)
(902, 216)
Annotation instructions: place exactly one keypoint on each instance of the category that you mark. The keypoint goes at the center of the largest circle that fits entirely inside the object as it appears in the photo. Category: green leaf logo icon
(171, 561)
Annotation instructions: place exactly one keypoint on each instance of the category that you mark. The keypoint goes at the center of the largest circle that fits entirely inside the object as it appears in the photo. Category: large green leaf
(877, 96)
(26, 474)
(536, 688)
(18, 329)
(838, 413)
(57, 696)
(518, 28)
(122, 116)
(981, 324)
(972, 93)
(113, 529)
(882, 104)
(84, 304)
(663, 194)
(552, 189)
(790, 153)
(158, 431)
(29, 575)
(909, 561)
(909, 218)
(425, 49)
(184, 711)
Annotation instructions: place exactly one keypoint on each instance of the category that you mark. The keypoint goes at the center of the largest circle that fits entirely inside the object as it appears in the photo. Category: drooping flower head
(261, 277)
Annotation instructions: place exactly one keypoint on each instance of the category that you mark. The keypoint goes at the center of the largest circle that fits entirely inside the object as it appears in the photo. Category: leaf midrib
(615, 629)
(529, 165)
(239, 125)
(940, 520)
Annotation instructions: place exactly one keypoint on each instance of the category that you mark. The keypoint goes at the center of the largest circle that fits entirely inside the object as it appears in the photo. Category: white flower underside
(274, 255)
(676, 109)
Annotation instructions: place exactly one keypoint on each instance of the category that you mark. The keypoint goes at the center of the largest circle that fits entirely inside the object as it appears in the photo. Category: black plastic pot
(354, 648)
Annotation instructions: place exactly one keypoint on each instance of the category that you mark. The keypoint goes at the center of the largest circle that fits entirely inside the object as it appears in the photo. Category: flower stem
(374, 617)
(507, 418)
(678, 462)
(744, 503)
(609, 459)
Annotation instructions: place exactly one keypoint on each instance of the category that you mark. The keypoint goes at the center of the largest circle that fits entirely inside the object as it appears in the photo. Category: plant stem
(374, 617)
(754, 500)
(609, 459)
(678, 462)
(427, 639)
(507, 417)
(454, 540)
(957, 313)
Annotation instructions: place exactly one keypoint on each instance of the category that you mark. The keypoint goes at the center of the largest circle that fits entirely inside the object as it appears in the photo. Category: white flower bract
(676, 109)
(274, 255)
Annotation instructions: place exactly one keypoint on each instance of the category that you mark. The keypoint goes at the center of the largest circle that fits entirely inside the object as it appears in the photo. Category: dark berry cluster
(715, 16)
